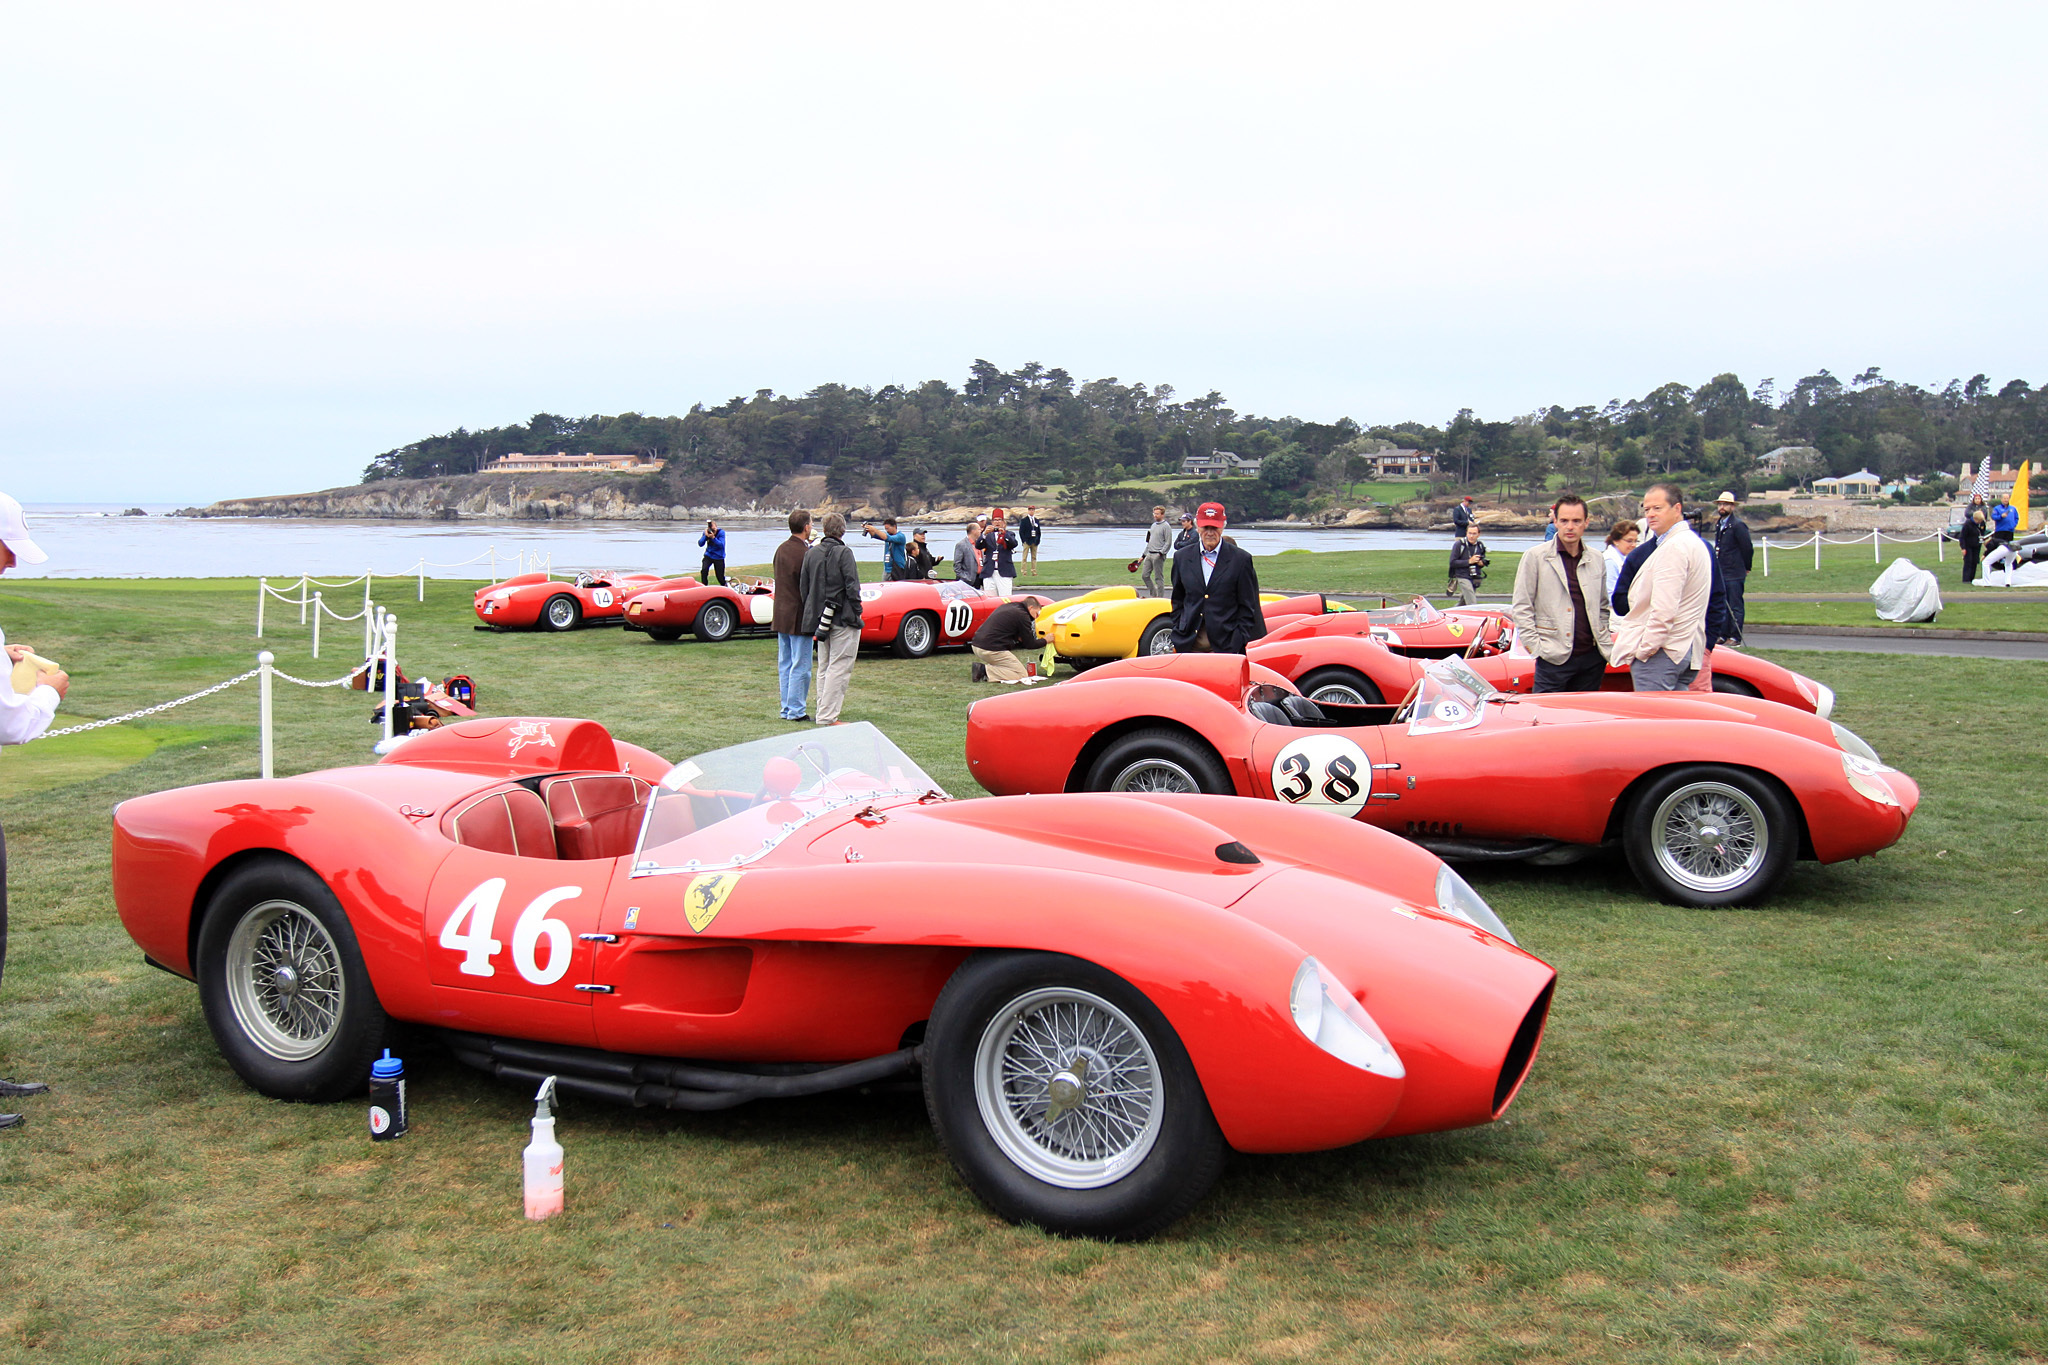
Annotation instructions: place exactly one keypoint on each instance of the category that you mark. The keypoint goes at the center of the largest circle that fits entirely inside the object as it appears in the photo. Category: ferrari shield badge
(1457, 627)
(705, 897)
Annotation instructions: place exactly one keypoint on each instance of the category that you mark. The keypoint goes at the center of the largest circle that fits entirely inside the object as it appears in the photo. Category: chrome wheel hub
(1069, 1088)
(1710, 836)
(1155, 775)
(284, 980)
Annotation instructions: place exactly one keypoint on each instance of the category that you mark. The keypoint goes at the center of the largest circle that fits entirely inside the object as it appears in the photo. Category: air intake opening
(1522, 1051)
(1235, 852)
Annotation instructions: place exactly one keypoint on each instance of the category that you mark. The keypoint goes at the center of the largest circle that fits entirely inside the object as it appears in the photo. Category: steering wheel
(1491, 640)
(1401, 711)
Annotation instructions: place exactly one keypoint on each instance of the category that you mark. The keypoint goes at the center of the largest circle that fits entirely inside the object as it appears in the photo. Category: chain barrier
(343, 681)
(149, 710)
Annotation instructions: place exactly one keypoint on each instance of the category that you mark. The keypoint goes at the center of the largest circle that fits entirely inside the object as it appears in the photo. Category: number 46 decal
(479, 910)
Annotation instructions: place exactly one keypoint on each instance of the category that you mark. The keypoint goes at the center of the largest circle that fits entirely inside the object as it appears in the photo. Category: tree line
(1000, 432)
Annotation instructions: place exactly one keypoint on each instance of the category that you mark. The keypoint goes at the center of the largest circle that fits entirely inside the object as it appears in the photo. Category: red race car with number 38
(785, 918)
(1712, 797)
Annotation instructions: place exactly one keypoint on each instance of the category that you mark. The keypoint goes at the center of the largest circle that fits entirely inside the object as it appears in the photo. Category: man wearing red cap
(1215, 591)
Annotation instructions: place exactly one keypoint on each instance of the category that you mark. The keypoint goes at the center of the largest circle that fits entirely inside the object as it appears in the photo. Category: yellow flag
(2019, 496)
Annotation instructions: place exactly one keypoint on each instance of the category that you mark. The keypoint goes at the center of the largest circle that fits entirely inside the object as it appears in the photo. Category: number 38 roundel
(1328, 771)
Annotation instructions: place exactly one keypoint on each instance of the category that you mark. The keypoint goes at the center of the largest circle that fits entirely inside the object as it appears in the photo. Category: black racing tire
(1159, 760)
(561, 612)
(1705, 835)
(917, 636)
(1735, 687)
(283, 985)
(664, 634)
(716, 620)
(1013, 1034)
(1355, 687)
(1157, 638)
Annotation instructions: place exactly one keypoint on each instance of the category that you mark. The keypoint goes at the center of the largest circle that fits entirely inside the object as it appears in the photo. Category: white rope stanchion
(263, 663)
(318, 607)
(390, 673)
(262, 587)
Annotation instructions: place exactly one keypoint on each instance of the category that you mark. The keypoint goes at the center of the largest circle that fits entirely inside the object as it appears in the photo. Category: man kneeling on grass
(1009, 628)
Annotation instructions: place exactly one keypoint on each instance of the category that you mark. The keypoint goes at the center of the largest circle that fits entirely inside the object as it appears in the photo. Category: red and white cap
(1211, 514)
(14, 533)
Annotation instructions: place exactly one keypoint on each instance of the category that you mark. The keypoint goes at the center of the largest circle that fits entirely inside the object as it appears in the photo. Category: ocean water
(92, 540)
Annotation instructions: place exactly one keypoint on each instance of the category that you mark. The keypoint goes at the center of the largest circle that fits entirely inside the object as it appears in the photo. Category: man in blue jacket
(713, 541)
(1215, 591)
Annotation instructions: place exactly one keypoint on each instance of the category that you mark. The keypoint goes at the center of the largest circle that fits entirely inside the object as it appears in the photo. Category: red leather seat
(597, 816)
(513, 821)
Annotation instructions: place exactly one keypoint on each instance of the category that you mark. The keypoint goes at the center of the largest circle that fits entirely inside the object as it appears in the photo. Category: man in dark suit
(1215, 591)
(1734, 553)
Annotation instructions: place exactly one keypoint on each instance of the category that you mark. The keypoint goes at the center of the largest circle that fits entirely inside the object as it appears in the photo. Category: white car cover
(1904, 592)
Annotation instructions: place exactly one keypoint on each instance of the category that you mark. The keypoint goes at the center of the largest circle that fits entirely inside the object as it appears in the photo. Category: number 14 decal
(479, 909)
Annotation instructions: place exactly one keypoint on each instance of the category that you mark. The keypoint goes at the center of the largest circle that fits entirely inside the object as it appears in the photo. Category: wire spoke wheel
(1069, 1087)
(284, 979)
(1155, 774)
(1709, 836)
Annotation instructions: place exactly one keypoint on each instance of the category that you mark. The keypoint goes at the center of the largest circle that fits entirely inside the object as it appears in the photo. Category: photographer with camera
(1468, 566)
(713, 541)
(895, 563)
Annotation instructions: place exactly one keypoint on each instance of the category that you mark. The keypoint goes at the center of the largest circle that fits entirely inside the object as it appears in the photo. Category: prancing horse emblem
(706, 895)
(530, 734)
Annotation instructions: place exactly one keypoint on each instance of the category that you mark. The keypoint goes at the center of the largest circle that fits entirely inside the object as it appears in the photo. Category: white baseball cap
(14, 533)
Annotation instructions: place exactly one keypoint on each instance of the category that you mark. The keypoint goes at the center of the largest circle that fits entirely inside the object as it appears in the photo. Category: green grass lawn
(1967, 615)
(1811, 1131)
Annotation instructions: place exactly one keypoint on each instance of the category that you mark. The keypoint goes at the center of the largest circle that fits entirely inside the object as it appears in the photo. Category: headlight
(1331, 1017)
(1455, 896)
(1851, 744)
(1863, 776)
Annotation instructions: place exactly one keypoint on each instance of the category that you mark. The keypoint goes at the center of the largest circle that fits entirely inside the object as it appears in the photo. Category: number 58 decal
(1323, 770)
(479, 910)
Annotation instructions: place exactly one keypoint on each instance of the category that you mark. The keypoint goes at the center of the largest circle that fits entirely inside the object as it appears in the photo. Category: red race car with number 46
(1711, 796)
(785, 918)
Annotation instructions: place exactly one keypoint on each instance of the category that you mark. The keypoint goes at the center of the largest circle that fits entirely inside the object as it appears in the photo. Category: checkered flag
(1982, 488)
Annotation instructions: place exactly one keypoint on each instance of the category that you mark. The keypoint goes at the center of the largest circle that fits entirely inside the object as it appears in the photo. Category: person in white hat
(1734, 551)
(23, 716)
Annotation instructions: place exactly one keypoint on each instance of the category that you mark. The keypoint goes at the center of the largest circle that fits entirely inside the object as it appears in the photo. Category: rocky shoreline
(593, 497)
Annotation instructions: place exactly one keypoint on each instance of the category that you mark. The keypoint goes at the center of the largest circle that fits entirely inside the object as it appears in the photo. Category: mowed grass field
(1808, 1131)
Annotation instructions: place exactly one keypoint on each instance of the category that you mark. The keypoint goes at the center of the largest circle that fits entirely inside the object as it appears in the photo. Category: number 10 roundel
(1326, 771)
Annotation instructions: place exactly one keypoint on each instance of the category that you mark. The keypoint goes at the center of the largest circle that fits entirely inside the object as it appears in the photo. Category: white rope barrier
(300, 592)
(1876, 538)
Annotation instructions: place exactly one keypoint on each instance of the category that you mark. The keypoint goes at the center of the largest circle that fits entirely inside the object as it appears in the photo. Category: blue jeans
(793, 666)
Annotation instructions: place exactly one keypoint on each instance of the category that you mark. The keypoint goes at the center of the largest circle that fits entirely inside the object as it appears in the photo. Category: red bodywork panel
(674, 606)
(835, 941)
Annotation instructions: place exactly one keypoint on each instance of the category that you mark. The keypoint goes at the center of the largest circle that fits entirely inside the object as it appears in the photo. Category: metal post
(318, 607)
(390, 670)
(263, 663)
(1874, 533)
(1767, 556)
(1940, 548)
(369, 635)
(1816, 552)
(423, 578)
(262, 591)
(366, 592)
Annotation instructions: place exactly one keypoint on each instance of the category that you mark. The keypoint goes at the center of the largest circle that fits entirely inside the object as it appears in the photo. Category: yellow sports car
(1116, 623)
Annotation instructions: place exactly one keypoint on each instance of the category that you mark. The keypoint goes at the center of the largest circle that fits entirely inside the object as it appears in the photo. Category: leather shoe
(10, 1120)
(794, 719)
(23, 1088)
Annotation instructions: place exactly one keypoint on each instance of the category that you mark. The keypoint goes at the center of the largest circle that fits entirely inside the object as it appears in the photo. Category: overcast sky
(243, 249)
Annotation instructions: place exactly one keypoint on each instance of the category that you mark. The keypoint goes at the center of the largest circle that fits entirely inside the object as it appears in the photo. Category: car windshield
(1418, 612)
(1448, 697)
(730, 806)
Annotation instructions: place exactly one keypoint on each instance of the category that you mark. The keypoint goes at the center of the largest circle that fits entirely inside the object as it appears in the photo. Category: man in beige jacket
(1663, 639)
(1560, 605)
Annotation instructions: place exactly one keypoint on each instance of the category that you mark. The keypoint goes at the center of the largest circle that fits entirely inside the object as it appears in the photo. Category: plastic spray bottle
(387, 1098)
(544, 1158)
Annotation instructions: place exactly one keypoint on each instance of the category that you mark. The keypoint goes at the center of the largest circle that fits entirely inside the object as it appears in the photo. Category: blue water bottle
(387, 1098)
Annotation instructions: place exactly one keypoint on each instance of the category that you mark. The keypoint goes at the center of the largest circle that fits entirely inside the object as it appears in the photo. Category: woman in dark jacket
(1975, 523)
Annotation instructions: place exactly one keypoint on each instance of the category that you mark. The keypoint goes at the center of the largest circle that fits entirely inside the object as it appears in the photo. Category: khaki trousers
(1003, 665)
(835, 672)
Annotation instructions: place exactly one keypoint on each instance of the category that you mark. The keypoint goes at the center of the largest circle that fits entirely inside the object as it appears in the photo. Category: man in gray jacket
(831, 586)
(1560, 605)
(1158, 544)
(967, 555)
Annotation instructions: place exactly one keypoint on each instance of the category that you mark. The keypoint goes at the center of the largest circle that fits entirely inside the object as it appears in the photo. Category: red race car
(1419, 627)
(916, 616)
(1357, 668)
(533, 601)
(784, 918)
(1712, 797)
(714, 611)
